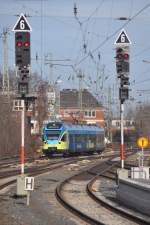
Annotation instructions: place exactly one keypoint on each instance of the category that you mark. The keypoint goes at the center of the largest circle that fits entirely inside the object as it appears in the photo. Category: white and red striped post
(22, 135)
(122, 136)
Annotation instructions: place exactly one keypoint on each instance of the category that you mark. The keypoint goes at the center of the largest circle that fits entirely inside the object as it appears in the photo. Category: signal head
(122, 53)
(22, 48)
(122, 60)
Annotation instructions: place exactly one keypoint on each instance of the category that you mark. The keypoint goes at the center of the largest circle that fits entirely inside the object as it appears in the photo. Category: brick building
(90, 111)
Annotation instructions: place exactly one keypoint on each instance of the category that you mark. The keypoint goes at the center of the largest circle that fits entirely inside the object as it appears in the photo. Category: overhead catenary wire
(109, 22)
(85, 31)
(84, 28)
(114, 33)
(134, 16)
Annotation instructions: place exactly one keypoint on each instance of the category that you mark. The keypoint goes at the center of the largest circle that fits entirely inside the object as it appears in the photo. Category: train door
(64, 142)
(72, 144)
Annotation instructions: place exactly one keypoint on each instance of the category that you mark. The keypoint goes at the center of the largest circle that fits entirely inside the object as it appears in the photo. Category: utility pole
(52, 92)
(5, 84)
(122, 67)
(109, 114)
(80, 99)
(48, 61)
(97, 72)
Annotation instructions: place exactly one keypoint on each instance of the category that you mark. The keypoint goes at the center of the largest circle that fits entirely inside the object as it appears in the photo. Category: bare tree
(42, 104)
(142, 118)
(10, 121)
(10, 128)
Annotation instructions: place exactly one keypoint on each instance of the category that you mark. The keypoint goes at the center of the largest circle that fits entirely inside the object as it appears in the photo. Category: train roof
(73, 128)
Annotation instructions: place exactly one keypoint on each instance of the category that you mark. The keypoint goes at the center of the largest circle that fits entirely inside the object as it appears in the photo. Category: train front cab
(56, 146)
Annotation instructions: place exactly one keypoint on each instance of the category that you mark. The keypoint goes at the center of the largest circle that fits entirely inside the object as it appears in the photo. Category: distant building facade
(128, 124)
(130, 133)
(80, 107)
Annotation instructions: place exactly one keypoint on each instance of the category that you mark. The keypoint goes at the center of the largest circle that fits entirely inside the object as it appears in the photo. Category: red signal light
(19, 44)
(122, 56)
(26, 44)
(126, 56)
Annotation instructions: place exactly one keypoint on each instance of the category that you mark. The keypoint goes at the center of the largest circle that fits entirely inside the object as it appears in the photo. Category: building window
(117, 124)
(90, 113)
(93, 114)
(128, 123)
(86, 113)
(68, 113)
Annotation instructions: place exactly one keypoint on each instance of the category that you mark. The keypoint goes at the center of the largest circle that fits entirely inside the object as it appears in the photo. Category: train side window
(78, 138)
(64, 138)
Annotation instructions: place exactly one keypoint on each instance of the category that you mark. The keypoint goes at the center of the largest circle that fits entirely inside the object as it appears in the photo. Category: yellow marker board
(142, 142)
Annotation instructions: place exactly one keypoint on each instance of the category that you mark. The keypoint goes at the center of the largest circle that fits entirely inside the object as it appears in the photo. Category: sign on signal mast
(22, 25)
(122, 39)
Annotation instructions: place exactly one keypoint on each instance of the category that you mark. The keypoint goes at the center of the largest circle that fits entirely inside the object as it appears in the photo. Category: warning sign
(142, 142)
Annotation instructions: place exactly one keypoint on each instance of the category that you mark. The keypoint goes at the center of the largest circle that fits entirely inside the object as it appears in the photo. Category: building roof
(69, 98)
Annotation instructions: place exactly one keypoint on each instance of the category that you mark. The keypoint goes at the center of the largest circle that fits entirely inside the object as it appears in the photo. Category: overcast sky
(88, 41)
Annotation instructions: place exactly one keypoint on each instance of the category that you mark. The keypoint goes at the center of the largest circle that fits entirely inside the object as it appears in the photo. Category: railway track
(9, 172)
(86, 177)
(11, 166)
(9, 177)
(91, 208)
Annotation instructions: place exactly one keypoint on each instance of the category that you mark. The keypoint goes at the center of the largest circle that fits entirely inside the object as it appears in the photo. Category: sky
(85, 43)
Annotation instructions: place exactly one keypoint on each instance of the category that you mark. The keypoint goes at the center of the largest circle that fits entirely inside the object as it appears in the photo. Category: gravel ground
(75, 193)
(44, 209)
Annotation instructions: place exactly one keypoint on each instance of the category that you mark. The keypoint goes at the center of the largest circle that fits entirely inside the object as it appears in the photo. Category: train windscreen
(52, 135)
(54, 125)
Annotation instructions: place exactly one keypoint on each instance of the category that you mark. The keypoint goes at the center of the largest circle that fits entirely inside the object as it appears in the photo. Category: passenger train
(71, 139)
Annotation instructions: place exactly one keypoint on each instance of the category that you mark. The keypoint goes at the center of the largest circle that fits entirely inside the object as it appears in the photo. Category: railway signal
(122, 68)
(22, 49)
(22, 31)
(123, 94)
(23, 80)
(122, 60)
(124, 90)
(22, 53)
(124, 81)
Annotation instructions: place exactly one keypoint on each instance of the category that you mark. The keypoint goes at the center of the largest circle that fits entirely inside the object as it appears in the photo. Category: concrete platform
(107, 192)
(134, 193)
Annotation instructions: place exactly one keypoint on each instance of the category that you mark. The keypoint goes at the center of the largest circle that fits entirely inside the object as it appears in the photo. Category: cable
(41, 38)
(142, 81)
(84, 30)
(109, 24)
(131, 9)
(97, 8)
(139, 53)
(114, 33)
